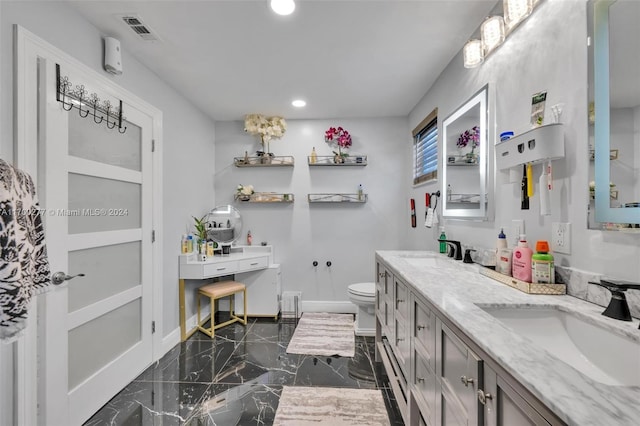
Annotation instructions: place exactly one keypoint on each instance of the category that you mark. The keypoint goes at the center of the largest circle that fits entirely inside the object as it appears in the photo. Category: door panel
(105, 281)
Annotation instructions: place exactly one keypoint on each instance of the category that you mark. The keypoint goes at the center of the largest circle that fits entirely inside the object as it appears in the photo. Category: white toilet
(363, 295)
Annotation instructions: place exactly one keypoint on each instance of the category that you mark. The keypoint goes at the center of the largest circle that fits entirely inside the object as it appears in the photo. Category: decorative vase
(266, 159)
(244, 197)
(471, 157)
(338, 159)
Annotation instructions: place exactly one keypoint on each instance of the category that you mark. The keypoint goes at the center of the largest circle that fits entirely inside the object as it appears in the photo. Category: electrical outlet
(517, 228)
(561, 237)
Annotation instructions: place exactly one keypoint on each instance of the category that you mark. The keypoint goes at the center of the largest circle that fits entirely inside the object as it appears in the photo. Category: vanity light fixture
(283, 7)
(298, 103)
(516, 11)
(473, 53)
(492, 33)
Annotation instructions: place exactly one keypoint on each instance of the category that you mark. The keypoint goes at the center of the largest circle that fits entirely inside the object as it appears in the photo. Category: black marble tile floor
(236, 379)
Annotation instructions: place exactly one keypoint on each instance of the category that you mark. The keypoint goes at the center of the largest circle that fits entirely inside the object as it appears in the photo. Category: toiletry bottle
(501, 243)
(183, 244)
(449, 192)
(360, 193)
(249, 238)
(189, 243)
(542, 268)
(313, 157)
(503, 262)
(443, 246)
(521, 261)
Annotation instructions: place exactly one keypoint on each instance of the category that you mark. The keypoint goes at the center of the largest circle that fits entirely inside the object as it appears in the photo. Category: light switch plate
(561, 237)
(517, 228)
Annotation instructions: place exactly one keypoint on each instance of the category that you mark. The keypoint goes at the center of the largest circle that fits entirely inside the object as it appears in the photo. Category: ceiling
(346, 58)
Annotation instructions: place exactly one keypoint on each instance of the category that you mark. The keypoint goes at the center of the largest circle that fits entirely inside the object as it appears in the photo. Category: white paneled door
(95, 331)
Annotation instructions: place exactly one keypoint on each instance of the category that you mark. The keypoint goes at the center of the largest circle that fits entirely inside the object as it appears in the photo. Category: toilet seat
(363, 289)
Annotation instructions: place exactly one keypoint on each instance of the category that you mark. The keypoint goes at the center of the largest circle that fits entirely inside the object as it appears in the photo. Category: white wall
(345, 234)
(548, 52)
(188, 133)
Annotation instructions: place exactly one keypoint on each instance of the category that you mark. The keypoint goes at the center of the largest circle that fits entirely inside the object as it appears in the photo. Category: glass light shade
(492, 31)
(283, 7)
(473, 54)
(515, 11)
(298, 103)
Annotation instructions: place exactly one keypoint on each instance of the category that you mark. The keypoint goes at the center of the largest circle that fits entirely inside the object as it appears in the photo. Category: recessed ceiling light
(283, 7)
(298, 103)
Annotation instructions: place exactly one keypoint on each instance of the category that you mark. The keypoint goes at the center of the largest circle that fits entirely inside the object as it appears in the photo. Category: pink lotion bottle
(521, 262)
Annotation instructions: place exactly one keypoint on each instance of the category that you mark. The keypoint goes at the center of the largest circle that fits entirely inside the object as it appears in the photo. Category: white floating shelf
(337, 198)
(535, 146)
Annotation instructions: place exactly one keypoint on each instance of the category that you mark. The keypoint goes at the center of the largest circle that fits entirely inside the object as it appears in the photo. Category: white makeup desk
(252, 265)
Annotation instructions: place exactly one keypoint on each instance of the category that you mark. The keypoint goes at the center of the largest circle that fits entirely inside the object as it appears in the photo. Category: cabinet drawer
(220, 268)
(401, 299)
(424, 381)
(424, 331)
(251, 264)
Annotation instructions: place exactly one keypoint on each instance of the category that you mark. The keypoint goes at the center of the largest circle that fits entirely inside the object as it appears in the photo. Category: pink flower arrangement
(469, 136)
(338, 136)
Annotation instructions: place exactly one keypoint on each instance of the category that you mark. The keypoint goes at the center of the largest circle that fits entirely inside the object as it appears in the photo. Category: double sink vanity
(462, 349)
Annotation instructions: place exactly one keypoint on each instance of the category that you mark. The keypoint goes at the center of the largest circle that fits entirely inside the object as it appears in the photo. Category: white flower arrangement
(245, 189)
(266, 127)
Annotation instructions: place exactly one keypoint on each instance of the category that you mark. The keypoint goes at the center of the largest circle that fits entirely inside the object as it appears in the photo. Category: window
(425, 149)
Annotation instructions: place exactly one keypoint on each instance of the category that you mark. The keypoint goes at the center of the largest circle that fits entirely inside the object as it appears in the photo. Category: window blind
(425, 149)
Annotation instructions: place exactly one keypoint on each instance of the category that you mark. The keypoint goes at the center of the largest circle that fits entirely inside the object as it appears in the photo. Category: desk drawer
(251, 264)
(220, 268)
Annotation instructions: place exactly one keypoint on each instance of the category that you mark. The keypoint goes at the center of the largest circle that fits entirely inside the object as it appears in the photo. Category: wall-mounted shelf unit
(613, 154)
(464, 199)
(275, 161)
(264, 197)
(337, 198)
(535, 146)
(462, 160)
(328, 160)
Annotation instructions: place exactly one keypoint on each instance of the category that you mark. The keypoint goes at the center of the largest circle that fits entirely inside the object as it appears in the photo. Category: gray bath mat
(323, 334)
(305, 406)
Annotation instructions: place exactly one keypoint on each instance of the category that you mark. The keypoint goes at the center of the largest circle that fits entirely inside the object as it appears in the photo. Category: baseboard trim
(341, 307)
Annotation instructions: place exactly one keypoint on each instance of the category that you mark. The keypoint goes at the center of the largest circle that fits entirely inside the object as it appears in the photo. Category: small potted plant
(201, 233)
(267, 128)
(340, 138)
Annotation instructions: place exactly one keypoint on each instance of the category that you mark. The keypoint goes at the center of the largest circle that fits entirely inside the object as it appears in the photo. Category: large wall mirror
(465, 159)
(614, 115)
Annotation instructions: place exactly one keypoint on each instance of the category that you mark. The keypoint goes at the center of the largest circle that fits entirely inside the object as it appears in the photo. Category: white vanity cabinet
(439, 375)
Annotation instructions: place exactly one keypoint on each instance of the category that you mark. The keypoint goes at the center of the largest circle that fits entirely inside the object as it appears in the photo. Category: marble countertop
(456, 289)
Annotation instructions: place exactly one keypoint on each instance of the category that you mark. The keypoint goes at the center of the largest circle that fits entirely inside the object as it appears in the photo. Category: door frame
(27, 49)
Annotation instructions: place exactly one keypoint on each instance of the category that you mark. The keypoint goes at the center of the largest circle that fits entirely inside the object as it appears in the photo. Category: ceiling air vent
(137, 26)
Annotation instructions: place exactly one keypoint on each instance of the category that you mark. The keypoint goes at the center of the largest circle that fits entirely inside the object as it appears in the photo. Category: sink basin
(599, 353)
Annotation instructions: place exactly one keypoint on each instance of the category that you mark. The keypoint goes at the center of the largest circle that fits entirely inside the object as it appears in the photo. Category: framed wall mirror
(614, 115)
(465, 151)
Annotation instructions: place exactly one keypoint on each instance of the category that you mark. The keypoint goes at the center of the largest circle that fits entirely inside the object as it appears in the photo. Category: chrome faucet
(618, 307)
(455, 248)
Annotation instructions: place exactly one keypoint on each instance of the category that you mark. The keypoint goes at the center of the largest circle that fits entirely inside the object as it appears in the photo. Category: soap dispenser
(521, 263)
(443, 245)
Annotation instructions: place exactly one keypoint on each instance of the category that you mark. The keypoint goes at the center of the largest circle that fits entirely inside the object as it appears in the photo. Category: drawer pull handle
(399, 339)
(381, 274)
(420, 379)
(482, 397)
(420, 327)
(221, 269)
(254, 264)
(466, 380)
(400, 300)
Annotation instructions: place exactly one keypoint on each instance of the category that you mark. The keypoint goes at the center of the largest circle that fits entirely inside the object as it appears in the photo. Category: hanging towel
(24, 267)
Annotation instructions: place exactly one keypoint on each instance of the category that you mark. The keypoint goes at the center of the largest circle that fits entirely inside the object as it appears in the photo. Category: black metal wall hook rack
(87, 105)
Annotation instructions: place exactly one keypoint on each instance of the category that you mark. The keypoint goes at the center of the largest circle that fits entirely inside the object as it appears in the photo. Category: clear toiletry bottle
(183, 245)
(443, 245)
(249, 238)
(360, 193)
(313, 158)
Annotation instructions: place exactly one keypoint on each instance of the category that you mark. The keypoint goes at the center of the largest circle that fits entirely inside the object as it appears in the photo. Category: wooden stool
(217, 291)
